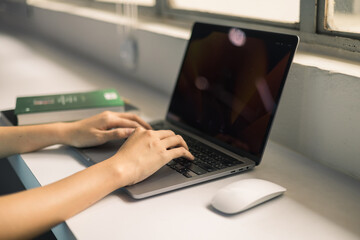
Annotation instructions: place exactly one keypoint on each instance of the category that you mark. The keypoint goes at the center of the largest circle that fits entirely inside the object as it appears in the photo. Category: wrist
(119, 170)
(64, 131)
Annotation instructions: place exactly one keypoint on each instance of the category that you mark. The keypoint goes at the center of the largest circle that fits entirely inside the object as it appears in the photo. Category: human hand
(145, 152)
(102, 128)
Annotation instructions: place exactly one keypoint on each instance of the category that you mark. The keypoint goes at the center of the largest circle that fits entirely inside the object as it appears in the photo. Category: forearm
(88, 132)
(23, 139)
(27, 214)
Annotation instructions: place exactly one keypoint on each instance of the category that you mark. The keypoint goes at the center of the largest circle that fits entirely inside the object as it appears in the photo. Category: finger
(180, 152)
(162, 134)
(136, 118)
(175, 141)
(122, 123)
(118, 133)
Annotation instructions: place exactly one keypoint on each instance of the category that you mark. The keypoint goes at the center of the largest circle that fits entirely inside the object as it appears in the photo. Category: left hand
(102, 128)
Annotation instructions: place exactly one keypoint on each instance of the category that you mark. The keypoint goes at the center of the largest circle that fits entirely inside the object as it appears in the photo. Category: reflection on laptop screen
(230, 83)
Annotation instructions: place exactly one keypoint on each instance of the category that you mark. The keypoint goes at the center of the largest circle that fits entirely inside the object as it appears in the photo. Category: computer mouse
(244, 194)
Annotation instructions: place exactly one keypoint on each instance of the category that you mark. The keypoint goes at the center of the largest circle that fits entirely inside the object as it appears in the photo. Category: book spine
(73, 101)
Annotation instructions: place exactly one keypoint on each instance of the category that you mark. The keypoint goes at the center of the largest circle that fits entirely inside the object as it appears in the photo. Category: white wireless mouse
(244, 194)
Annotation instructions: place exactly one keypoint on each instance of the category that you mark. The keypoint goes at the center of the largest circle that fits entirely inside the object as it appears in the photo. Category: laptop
(223, 104)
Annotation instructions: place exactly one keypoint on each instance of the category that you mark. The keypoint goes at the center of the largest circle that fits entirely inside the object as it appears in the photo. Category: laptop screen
(229, 85)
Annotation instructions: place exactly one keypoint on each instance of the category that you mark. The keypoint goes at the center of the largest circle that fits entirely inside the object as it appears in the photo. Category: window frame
(310, 28)
(314, 37)
(322, 21)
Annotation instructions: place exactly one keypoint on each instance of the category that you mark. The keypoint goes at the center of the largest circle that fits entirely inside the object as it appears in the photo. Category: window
(138, 2)
(287, 11)
(343, 16)
(315, 21)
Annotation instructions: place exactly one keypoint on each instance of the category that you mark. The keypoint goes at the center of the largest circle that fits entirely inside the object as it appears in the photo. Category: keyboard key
(205, 166)
(189, 174)
(171, 163)
(197, 170)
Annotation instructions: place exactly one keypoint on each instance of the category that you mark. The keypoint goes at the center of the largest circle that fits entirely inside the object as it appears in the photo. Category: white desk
(320, 203)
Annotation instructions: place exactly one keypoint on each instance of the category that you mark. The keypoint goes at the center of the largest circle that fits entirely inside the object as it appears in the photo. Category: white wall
(318, 115)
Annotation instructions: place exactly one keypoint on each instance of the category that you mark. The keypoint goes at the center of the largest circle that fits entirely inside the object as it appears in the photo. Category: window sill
(328, 63)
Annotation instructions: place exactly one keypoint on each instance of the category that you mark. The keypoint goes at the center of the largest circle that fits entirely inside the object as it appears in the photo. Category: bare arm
(88, 132)
(28, 213)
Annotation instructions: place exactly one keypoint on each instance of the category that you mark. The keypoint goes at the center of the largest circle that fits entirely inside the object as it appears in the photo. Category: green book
(66, 107)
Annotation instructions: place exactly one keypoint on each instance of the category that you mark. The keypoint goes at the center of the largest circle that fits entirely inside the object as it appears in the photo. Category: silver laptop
(223, 104)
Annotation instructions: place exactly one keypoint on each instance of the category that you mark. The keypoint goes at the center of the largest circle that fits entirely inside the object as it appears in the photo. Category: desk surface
(320, 203)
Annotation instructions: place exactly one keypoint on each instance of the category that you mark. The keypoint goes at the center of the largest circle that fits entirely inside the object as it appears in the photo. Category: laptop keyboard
(206, 159)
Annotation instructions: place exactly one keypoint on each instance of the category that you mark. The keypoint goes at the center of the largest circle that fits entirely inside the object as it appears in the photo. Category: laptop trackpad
(163, 180)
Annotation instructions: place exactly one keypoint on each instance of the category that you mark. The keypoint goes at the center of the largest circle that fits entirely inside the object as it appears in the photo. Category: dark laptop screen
(229, 85)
